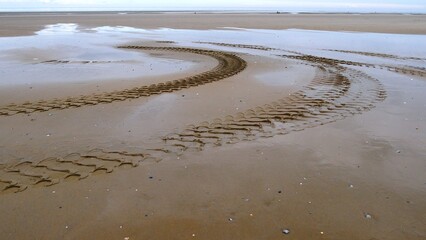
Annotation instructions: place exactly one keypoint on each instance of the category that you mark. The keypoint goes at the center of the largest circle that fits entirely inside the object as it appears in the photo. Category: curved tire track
(229, 65)
(330, 97)
(335, 93)
(380, 55)
(408, 70)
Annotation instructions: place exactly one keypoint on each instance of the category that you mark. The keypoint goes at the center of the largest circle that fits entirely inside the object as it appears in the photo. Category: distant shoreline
(26, 23)
(203, 12)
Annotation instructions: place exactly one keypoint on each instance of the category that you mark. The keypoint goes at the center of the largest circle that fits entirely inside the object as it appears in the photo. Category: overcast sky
(405, 6)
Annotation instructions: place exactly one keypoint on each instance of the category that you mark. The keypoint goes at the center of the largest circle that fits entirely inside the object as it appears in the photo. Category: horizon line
(276, 11)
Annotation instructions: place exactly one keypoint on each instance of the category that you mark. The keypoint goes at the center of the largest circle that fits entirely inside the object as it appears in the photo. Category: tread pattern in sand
(330, 97)
(381, 55)
(335, 93)
(54, 61)
(408, 70)
(229, 65)
(50, 171)
(256, 47)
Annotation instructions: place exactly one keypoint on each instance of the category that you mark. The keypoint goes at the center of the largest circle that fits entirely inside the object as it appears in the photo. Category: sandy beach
(15, 24)
(212, 126)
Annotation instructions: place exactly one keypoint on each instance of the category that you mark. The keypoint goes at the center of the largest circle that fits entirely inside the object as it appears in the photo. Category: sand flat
(320, 133)
(27, 23)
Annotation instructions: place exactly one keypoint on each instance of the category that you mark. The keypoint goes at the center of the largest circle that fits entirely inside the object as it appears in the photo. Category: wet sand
(13, 24)
(250, 134)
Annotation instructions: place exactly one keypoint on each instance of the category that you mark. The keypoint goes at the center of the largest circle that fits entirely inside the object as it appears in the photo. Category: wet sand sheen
(229, 65)
(28, 23)
(235, 158)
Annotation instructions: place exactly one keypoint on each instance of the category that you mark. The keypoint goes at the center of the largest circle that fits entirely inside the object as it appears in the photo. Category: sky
(402, 6)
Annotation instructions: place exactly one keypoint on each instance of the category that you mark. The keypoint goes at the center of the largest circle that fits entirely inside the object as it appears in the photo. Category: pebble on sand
(286, 231)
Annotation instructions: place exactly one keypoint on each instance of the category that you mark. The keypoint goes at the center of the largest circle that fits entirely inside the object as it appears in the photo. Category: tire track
(54, 61)
(330, 97)
(255, 47)
(228, 65)
(335, 93)
(408, 70)
(381, 55)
